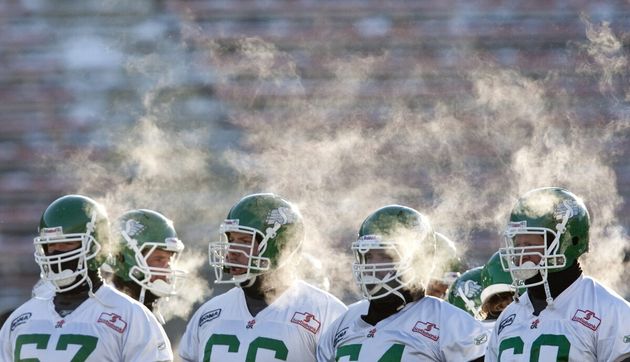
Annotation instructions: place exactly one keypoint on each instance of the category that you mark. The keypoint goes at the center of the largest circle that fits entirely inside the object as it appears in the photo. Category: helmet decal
(133, 227)
(282, 216)
(469, 288)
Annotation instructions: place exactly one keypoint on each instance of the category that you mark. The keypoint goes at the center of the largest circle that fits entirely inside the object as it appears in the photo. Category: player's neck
(259, 295)
(134, 290)
(382, 308)
(67, 302)
(558, 282)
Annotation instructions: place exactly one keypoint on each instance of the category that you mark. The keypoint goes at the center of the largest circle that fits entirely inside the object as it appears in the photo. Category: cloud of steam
(341, 147)
(462, 163)
(181, 304)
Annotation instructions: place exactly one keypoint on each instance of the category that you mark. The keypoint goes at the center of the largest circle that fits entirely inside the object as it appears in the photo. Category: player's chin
(237, 271)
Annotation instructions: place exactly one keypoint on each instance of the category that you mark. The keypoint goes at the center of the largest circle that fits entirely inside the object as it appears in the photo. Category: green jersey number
(516, 344)
(87, 345)
(393, 354)
(233, 344)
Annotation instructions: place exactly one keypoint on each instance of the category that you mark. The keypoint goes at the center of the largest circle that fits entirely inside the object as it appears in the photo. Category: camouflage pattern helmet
(72, 218)
(465, 292)
(276, 229)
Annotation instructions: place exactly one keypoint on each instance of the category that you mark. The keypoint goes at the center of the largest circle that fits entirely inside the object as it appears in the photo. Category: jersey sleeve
(6, 351)
(613, 342)
(146, 339)
(467, 338)
(188, 346)
(334, 310)
(491, 349)
(326, 344)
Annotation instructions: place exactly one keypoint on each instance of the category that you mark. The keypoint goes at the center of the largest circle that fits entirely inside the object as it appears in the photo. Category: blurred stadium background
(73, 70)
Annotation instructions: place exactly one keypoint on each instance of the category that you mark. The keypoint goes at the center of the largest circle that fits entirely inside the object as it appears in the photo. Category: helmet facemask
(224, 252)
(517, 258)
(388, 275)
(69, 269)
(161, 281)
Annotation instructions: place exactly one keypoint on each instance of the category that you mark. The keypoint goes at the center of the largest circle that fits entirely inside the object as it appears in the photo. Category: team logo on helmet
(133, 227)
(470, 288)
(282, 216)
(565, 206)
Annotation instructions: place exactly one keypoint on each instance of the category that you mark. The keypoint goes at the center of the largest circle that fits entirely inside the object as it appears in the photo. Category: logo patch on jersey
(21, 319)
(209, 316)
(250, 324)
(481, 339)
(113, 321)
(339, 336)
(371, 333)
(60, 324)
(427, 329)
(626, 339)
(587, 319)
(534, 324)
(306, 320)
(506, 322)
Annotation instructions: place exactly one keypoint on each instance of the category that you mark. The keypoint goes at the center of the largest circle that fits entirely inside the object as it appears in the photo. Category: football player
(465, 292)
(266, 316)
(564, 315)
(497, 290)
(84, 320)
(448, 268)
(145, 263)
(396, 321)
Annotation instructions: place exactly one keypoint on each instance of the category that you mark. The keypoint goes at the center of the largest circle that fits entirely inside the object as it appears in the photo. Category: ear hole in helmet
(575, 240)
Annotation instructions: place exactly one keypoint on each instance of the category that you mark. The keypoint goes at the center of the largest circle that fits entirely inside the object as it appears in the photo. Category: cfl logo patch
(428, 330)
(306, 320)
(587, 318)
(113, 321)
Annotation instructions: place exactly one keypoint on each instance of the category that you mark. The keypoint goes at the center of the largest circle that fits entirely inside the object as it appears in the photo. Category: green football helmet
(465, 292)
(275, 232)
(561, 219)
(139, 233)
(447, 266)
(494, 279)
(403, 235)
(71, 218)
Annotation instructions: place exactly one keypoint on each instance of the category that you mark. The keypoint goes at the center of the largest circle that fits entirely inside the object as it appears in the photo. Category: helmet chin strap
(548, 293)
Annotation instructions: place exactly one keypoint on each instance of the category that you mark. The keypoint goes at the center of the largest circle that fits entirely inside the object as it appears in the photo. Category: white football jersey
(124, 330)
(427, 330)
(587, 322)
(286, 330)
